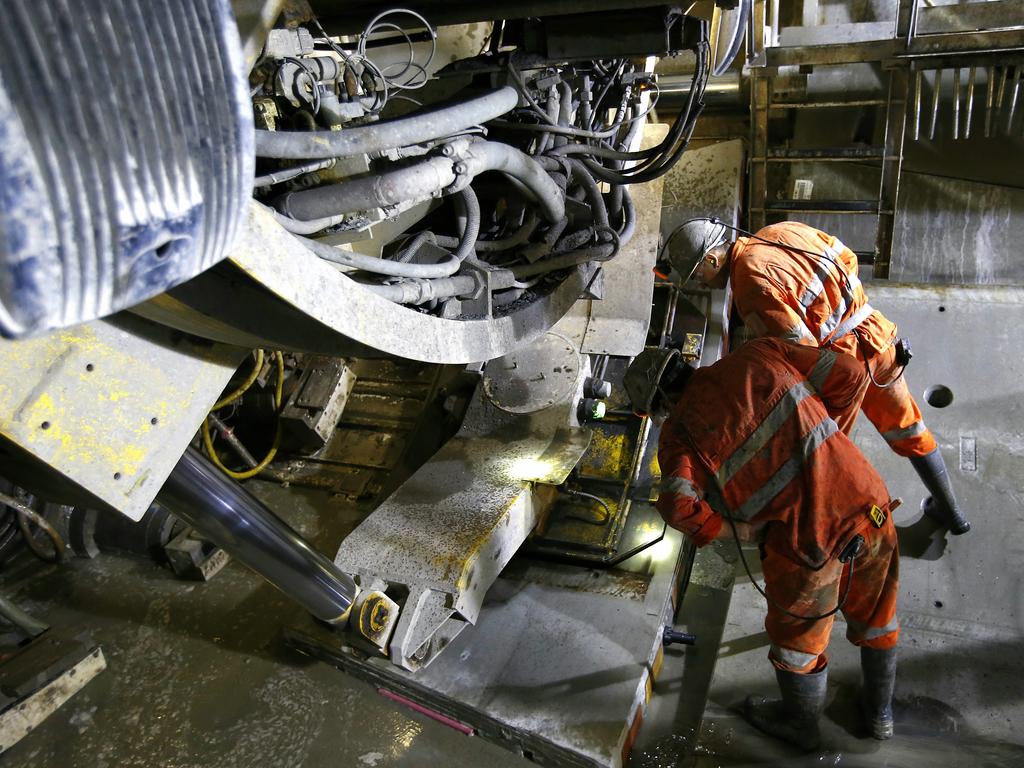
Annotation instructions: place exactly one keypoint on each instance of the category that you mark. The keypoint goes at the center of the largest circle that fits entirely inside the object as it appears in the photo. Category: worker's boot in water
(942, 506)
(879, 669)
(795, 717)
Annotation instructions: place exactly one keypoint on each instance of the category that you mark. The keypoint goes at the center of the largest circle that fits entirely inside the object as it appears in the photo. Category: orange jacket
(754, 436)
(803, 298)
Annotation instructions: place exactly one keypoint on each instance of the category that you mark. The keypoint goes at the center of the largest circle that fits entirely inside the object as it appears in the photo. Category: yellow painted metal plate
(111, 404)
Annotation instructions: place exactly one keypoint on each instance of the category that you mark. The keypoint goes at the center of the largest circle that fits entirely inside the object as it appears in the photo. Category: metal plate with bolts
(110, 405)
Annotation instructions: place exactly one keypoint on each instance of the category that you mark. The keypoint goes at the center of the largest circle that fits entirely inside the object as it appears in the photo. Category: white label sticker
(968, 454)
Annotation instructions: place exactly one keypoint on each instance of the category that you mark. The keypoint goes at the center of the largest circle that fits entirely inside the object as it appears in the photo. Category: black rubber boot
(795, 717)
(879, 669)
(942, 506)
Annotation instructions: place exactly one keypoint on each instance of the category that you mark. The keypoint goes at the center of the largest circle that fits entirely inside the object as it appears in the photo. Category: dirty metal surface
(432, 530)
(559, 665)
(526, 380)
(707, 181)
(109, 405)
(447, 532)
(617, 323)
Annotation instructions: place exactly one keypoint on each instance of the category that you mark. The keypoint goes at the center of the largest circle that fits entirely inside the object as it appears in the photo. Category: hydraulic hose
(564, 111)
(420, 181)
(30, 625)
(412, 247)
(628, 217)
(602, 252)
(469, 223)
(28, 515)
(286, 174)
(380, 266)
(308, 227)
(742, 14)
(520, 236)
(388, 134)
(426, 179)
(422, 291)
(485, 156)
(582, 176)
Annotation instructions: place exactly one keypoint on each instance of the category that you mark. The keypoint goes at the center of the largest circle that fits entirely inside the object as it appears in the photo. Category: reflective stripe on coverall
(802, 298)
(755, 435)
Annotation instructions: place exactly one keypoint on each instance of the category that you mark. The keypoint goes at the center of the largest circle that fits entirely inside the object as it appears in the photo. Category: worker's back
(758, 421)
(814, 298)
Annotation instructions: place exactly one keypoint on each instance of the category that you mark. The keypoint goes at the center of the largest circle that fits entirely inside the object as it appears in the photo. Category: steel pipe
(233, 519)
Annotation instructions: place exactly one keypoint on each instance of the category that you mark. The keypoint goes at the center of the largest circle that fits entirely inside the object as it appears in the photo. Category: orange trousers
(891, 409)
(798, 645)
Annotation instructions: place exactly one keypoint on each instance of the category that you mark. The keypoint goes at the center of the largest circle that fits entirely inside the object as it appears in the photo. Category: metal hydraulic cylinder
(231, 517)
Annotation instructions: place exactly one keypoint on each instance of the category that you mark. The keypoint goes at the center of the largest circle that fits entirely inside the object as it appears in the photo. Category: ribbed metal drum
(126, 154)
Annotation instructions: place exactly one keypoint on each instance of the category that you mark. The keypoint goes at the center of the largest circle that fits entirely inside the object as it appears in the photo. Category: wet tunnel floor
(197, 675)
(958, 699)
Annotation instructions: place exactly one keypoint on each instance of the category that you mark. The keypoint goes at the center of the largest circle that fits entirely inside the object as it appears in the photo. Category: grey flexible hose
(602, 252)
(564, 111)
(413, 182)
(286, 174)
(379, 266)
(731, 50)
(628, 216)
(305, 227)
(423, 180)
(485, 156)
(30, 625)
(593, 192)
(469, 223)
(422, 291)
(413, 246)
(376, 137)
(518, 237)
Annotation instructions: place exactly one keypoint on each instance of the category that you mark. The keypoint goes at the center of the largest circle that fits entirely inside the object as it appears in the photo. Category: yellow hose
(244, 386)
(278, 397)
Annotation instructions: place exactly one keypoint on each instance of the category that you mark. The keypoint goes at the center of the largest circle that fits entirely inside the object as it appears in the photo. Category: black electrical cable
(839, 605)
(867, 365)
(674, 145)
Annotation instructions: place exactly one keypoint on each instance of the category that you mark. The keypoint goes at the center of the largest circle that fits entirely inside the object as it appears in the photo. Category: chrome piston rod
(233, 519)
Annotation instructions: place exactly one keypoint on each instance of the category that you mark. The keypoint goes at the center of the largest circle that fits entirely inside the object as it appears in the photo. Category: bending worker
(795, 282)
(751, 448)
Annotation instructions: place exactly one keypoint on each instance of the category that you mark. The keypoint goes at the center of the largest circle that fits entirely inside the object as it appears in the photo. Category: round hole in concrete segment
(938, 396)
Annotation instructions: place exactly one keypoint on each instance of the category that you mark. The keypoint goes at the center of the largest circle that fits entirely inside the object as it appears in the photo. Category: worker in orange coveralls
(795, 282)
(752, 448)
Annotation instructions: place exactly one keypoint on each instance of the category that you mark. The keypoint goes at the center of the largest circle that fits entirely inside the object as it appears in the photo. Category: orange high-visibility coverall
(755, 437)
(804, 298)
